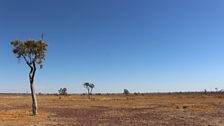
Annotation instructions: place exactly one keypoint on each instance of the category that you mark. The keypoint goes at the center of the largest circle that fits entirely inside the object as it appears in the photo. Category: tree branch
(30, 58)
(34, 60)
(26, 60)
(34, 69)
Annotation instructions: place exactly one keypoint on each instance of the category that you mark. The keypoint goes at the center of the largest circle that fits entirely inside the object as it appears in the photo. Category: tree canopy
(33, 51)
(62, 91)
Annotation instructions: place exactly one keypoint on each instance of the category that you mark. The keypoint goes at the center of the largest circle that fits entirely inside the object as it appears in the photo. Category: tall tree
(33, 52)
(89, 87)
(86, 85)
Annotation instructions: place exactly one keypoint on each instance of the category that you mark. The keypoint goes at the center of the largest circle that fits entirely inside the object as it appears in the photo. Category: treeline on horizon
(135, 93)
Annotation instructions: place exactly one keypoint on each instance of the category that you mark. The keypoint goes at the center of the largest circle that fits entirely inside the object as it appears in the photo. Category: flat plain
(175, 109)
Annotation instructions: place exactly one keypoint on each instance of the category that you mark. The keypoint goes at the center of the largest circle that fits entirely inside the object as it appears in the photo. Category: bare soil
(196, 109)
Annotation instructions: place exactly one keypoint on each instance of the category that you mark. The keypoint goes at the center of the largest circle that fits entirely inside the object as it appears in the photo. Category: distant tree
(86, 85)
(89, 87)
(33, 52)
(205, 91)
(216, 89)
(126, 92)
(62, 91)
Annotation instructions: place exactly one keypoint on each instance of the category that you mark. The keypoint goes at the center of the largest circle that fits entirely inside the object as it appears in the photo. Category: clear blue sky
(141, 45)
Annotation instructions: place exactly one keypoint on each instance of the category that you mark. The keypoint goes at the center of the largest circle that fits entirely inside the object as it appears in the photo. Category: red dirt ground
(115, 110)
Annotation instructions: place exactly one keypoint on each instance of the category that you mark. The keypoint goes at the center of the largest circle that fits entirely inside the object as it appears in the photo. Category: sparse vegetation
(98, 93)
(62, 91)
(148, 110)
(135, 93)
(154, 63)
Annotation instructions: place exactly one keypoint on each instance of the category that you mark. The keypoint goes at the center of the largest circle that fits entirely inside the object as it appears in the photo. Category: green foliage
(32, 51)
(86, 85)
(62, 91)
(89, 87)
(126, 92)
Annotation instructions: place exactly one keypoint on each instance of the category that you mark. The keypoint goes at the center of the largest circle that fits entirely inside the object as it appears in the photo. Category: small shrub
(184, 107)
(205, 91)
(62, 91)
(40, 93)
(126, 92)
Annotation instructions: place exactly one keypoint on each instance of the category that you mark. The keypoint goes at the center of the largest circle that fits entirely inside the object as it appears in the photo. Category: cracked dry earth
(115, 110)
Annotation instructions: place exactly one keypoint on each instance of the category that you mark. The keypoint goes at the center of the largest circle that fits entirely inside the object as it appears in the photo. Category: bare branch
(26, 59)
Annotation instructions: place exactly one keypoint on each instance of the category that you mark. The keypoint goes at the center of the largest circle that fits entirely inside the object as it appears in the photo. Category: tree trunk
(34, 99)
(88, 94)
(33, 94)
(91, 91)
